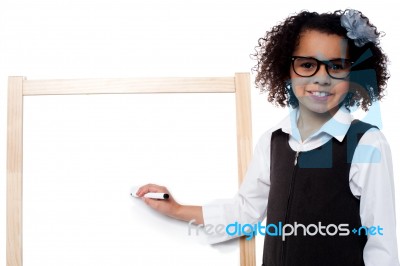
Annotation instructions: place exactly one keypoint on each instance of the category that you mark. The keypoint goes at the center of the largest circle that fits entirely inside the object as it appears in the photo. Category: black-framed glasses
(307, 66)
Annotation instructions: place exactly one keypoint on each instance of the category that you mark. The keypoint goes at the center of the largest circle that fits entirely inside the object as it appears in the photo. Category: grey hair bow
(358, 28)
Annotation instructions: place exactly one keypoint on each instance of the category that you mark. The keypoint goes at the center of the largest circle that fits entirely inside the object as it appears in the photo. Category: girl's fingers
(150, 188)
(167, 207)
(152, 203)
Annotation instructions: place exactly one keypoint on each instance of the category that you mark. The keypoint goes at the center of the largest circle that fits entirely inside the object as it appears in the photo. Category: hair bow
(358, 28)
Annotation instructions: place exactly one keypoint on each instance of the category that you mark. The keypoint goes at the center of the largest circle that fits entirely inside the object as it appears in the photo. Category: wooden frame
(18, 87)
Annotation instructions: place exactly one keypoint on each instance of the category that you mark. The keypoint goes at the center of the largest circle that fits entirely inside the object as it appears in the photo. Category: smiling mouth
(320, 93)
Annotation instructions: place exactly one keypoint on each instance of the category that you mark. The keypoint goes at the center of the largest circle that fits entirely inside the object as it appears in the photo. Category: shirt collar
(337, 126)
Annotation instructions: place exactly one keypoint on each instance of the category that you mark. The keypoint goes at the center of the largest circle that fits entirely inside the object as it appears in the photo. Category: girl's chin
(323, 109)
(320, 107)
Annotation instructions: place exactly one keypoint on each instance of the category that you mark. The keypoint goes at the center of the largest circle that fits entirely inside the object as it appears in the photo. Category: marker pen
(153, 195)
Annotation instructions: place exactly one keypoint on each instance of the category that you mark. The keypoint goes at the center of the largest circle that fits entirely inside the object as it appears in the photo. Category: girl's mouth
(319, 95)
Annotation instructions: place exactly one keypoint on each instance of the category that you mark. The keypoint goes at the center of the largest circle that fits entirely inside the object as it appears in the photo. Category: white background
(100, 39)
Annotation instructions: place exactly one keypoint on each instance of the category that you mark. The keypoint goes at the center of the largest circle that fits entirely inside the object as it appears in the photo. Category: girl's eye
(336, 67)
(308, 65)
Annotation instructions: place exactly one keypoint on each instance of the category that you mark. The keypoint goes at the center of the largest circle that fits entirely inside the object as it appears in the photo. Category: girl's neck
(310, 122)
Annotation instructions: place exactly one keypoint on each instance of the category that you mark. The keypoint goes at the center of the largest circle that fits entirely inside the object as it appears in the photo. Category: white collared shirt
(370, 180)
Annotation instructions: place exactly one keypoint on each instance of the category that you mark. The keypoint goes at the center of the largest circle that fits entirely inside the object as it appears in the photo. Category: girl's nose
(322, 77)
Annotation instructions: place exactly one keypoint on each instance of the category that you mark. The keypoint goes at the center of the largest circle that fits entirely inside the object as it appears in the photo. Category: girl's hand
(169, 206)
(165, 206)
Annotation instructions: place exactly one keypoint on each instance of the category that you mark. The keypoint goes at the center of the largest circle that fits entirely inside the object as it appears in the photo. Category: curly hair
(368, 77)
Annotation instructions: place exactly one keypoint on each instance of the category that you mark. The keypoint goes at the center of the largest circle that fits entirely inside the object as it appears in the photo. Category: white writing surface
(83, 153)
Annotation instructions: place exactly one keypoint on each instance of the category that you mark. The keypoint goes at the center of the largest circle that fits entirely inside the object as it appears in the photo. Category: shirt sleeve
(371, 179)
(249, 204)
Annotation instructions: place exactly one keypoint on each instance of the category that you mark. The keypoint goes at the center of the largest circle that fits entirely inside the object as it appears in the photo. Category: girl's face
(319, 93)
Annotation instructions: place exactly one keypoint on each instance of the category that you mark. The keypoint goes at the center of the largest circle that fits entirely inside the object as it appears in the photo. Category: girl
(320, 172)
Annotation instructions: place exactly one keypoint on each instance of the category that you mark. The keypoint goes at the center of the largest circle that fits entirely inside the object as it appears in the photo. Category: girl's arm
(372, 180)
(247, 206)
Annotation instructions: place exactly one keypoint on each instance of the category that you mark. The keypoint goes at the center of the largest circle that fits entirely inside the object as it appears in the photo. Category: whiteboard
(82, 153)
